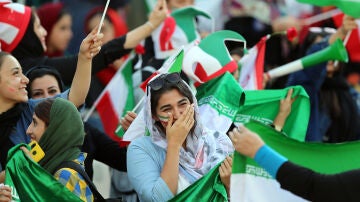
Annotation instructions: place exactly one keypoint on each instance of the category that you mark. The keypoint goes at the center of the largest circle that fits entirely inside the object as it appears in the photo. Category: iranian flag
(226, 102)
(116, 99)
(250, 182)
(31, 182)
(252, 67)
(349, 7)
(177, 30)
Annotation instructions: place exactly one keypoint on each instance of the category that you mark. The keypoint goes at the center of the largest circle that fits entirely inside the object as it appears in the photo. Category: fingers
(289, 94)
(190, 116)
(26, 151)
(235, 135)
(226, 167)
(5, 192)
(126, 121)
(170, 122)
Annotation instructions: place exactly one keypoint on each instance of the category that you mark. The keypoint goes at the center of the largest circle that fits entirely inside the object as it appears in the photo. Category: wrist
(150, 25)
(173, 147)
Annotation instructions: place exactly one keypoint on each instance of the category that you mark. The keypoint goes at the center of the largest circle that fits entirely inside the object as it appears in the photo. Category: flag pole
(87, 116)
(103, 16)
(134, 109)
(320, 17)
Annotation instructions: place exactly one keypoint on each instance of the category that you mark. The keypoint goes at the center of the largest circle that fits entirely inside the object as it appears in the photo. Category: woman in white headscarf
(178, 150)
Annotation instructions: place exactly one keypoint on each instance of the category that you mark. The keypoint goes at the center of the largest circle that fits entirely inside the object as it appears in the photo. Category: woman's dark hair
(311, 37)
(2, 57)
(167, 86)
(156, 94)
(30, 44)
(40, 71)
(42, 110)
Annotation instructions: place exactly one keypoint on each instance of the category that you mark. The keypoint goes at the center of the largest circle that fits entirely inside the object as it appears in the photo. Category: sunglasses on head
(160, 81)
(322, 30)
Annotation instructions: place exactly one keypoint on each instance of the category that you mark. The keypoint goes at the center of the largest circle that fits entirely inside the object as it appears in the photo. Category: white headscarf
(204, 148)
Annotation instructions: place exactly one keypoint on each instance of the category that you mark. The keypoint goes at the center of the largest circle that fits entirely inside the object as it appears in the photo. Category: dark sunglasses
(159, 82)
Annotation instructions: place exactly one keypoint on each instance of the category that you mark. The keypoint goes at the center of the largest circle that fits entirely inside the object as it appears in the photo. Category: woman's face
(61, 34)
(12, 82)
(40, 32)
(170, 102)
(36, 129)
(44, 87)
(107, 28)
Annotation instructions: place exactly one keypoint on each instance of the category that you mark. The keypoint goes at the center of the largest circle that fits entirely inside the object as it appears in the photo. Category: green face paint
(163, 118)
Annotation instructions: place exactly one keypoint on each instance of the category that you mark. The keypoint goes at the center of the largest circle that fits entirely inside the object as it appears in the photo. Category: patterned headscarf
(204, 148)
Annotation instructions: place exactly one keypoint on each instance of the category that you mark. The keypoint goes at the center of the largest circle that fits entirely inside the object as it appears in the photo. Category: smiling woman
(16, 109)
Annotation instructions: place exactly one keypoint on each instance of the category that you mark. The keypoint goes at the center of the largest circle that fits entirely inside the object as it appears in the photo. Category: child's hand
(91, 45)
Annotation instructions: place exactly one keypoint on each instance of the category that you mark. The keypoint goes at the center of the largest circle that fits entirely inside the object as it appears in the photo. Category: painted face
(107, 29)
(12, 82)
(44, 87)
(40, 32)
(171, 102)
(36, 129)
(61, 34)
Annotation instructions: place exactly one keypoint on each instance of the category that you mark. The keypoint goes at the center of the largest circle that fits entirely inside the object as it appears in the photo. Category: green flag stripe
(321, 157)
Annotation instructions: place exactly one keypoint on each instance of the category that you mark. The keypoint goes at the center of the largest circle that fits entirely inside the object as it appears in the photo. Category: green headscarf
(63, 137)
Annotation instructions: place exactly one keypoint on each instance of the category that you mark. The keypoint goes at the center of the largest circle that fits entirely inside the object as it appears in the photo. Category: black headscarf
(8, 122)
(30, 45)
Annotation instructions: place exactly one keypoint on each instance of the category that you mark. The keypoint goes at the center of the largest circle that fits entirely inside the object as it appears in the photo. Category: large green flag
(349, 7)
(207, 188)
(226, 102)
(250, 182)
(30, 182)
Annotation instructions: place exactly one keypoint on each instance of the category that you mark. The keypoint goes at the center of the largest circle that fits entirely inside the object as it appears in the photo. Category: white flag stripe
(196, 55)
(8, 32)
(247, 187)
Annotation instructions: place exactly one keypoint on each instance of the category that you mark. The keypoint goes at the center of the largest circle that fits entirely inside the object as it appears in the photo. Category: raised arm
(80, 85)
(157, 16)
(284, 111)
(349, 24)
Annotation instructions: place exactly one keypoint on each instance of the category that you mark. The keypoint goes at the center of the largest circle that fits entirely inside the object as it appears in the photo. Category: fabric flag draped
(207, 188)
(249, 182)
(252, 67)
(226, 102)
(349, 7)
(335, 51)
(30, 182)
(116, 99)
